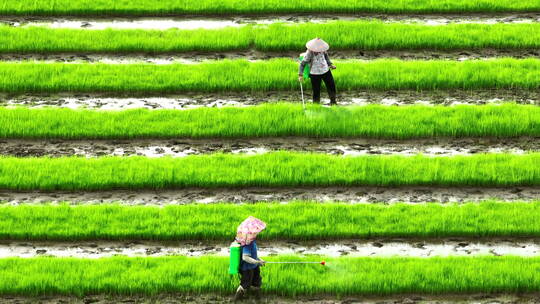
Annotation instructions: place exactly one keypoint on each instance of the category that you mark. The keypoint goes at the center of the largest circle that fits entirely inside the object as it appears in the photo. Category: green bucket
(235, 258)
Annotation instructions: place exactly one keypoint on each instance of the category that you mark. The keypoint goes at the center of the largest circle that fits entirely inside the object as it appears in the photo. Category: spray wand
(303, 102)
(322, 263)
(306, 75)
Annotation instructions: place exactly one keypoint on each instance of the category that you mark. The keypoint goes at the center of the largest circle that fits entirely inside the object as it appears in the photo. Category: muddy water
(221, 22)
(352, 248)
(346, 147)
(415, 195)
(121, 103)
(254, 55)
(222, 99)
(318, 299)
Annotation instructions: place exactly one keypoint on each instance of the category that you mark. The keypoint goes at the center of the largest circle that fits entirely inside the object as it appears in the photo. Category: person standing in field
(250, 264)
(320, 68)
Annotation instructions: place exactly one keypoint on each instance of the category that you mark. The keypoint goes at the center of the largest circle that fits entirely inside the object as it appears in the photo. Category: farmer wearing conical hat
(250, 273)
(320, 68)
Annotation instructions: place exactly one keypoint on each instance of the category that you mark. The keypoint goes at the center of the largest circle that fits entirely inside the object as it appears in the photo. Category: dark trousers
(330, 86)
(250, 278)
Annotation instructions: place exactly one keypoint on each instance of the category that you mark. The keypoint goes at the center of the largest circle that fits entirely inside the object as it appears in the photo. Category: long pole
(322, 263)
(302, 91)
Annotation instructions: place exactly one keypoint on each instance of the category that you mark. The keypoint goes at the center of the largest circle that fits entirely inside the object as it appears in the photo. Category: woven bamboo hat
(317, 45)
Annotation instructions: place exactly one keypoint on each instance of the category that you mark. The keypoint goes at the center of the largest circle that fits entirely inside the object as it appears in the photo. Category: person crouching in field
(320, 68)
(250, 271)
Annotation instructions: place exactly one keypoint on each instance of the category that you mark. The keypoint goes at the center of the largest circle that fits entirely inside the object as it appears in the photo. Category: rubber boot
(239, 295)
(256, 292)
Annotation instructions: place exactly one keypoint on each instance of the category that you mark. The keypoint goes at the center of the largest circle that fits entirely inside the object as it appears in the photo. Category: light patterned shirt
(319, 63)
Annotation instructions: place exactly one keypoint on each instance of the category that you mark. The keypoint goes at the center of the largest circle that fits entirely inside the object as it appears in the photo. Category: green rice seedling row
(275, 120)
(342, 276)
(278, 169)
(229, 7)
(328, 221)
(362, 35)
(276, 74)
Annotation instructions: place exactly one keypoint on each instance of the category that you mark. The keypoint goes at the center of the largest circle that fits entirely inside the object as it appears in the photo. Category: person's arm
(328, 61)
(248, 259)
(305, 61)
(246, 256)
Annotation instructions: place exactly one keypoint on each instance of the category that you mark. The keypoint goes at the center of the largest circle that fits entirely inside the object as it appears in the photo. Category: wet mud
(186, 147)
(413, 195)
(316, 299)
(216, 22)
(341, 248)
(255, 55)
(238, 99)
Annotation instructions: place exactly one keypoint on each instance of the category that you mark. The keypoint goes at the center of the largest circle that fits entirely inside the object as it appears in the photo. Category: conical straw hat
(317, 45)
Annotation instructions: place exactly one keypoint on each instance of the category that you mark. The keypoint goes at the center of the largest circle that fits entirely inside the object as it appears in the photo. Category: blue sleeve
(246, 250)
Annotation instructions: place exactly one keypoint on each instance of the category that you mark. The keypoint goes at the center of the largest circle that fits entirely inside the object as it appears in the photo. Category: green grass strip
(293, 221)
(272, 169)
(278, 37)
(271, 120)
(276, 74)
(228, 7)
(342, 276)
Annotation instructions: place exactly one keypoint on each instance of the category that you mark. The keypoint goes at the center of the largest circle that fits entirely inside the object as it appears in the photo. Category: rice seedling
(312, 221)
(279, 74)
(44, 40)
(283, 169)
(227, 7)
(342, 276)
(271, 120)
(374, 35)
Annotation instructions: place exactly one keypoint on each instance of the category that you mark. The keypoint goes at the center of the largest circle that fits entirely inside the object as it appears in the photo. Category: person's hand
(301, 78)
(333, 67)
(261, 262)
